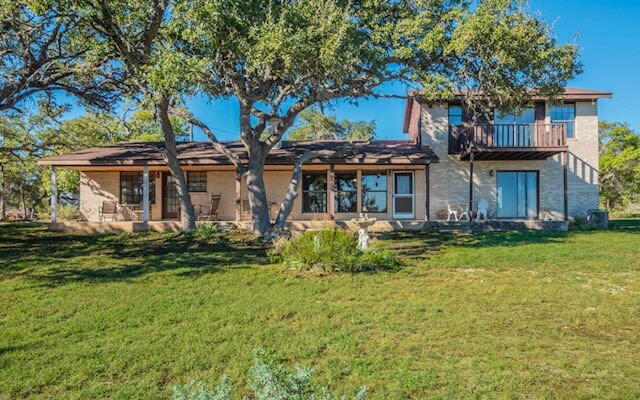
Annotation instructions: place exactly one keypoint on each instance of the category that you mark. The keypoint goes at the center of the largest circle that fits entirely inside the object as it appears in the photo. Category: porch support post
(470, 184)
(238, 196)
(331, 195)
(145, 193)
(427, 203)
(565, 165)
(54, 193)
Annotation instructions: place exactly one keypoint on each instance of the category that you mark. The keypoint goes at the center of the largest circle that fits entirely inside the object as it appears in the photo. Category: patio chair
(210, 212)
(483, 209)
(137, 212)
(464, 212)
(246, 208)
(108, 209)
(451, 212)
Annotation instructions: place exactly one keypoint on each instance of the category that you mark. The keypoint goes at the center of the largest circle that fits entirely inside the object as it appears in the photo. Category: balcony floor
(513, 153)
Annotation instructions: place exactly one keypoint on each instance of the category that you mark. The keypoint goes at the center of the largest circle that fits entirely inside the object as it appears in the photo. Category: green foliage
(268, 380)
(332, 250)
(619, 164)
(317, 126)
(206, 230)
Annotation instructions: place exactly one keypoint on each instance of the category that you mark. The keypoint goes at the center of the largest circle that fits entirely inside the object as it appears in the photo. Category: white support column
(145, 193)
(54, 193)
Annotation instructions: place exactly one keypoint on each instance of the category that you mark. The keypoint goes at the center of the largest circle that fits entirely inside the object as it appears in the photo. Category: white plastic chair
(465, 213)
(483, 209)
(451, 212)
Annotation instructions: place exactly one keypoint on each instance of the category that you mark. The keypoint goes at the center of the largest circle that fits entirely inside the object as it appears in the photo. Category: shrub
(64, 212)
(206, 230)
(331, 250)
(267, 380)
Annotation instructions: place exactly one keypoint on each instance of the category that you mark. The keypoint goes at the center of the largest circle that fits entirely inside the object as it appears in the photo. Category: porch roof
(202, 153)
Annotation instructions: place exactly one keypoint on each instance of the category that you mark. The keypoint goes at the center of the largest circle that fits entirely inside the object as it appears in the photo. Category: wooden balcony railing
(527, 137)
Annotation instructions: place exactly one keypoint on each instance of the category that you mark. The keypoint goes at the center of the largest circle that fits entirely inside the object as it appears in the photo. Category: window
(346, 192)
(131, 188)
(564, 114)
(374, 192)
(455, 115)
(513, 129)
(314, 193)
(197, 181)
(517, 194)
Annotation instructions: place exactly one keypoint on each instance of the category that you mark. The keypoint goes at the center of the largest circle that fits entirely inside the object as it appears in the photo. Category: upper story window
(131, 188)
(314, 192)
(455, 115)
(526, 117)
(197, 181)
(564, 114)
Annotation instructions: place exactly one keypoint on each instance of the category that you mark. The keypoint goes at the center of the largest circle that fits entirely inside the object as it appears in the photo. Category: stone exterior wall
(98, 186)
(450, 177)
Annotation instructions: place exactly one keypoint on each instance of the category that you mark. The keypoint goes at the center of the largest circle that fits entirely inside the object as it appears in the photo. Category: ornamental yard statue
(363, 222)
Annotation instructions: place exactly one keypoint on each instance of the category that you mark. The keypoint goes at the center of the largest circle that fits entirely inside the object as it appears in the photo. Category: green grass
(509, 315)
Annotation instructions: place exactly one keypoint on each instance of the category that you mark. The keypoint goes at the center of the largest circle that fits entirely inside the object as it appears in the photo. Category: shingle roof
(203, 153)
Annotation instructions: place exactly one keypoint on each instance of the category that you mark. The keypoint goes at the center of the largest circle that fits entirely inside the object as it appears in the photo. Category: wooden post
(565, 165)
(238, 196)
(427, 201)
(54, 193)
(331, 193)
(145, 193)
(470, 184)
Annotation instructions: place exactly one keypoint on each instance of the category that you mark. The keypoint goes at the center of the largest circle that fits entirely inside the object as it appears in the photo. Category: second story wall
(450, 177)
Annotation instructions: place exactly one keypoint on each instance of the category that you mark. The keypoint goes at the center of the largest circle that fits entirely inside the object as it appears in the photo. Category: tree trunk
(260, 221)
(187, 213)
(24, 206)
(3, 206)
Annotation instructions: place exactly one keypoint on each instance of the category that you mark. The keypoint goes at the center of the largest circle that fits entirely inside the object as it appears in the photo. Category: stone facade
(450, 177)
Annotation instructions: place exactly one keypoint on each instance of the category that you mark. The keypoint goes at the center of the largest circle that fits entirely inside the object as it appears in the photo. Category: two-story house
(530, 168)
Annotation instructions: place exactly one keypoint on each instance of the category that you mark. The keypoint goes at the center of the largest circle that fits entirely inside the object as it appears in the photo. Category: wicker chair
(210, 212)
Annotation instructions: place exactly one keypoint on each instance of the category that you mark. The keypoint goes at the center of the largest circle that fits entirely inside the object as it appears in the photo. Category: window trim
(336, 191)
(189, 182)
(565, 121)
(325, 191)
(384, 174)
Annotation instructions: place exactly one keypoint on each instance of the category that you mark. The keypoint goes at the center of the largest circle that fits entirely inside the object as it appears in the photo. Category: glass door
(403, 195)
(517, 194)
(170, 201)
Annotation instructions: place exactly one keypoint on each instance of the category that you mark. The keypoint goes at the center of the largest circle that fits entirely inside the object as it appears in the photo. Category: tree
(619, 164)
(317, 126)
(131, 35)
(38, 55)
(278, 58)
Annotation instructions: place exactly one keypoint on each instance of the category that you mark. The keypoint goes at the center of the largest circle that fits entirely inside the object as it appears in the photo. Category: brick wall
(450, 177)
(96, 187)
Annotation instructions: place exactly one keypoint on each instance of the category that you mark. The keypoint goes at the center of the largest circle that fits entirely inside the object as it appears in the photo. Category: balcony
(512, 142)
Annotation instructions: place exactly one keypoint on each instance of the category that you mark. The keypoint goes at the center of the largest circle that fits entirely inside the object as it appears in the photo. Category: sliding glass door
(517, 194)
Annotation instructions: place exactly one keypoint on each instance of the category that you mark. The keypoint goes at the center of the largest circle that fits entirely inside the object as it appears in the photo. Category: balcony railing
(526, 137)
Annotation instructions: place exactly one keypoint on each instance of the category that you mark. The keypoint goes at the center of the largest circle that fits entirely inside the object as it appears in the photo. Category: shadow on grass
(422, 245)
(54, 259)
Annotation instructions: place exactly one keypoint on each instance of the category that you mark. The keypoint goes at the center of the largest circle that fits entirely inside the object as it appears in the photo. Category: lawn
(508, 315)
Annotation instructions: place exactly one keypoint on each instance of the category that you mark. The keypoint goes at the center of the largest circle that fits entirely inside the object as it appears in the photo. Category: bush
(206, 230)
(268, 380)
(332, 250)
(64, 212)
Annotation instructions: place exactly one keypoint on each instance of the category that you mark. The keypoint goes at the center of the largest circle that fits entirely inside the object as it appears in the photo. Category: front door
(170, 200)
(517, 194)
(403, 195)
